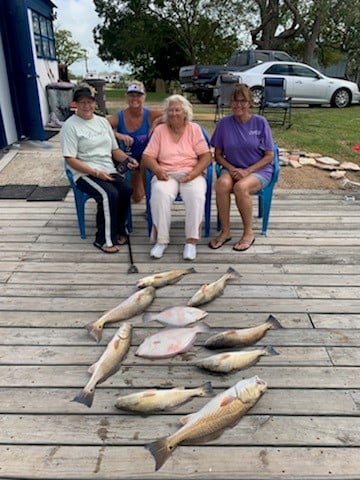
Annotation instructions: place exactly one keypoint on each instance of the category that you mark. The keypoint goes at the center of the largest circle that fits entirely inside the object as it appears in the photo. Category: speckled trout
(208, 292)
(165, 278)
(222, 412)
(165, 399)
(108, 363)
(242, 337)
(130, 307)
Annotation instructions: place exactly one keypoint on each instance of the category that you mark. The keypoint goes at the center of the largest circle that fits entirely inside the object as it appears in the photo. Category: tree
(68, 51)
(157, 37)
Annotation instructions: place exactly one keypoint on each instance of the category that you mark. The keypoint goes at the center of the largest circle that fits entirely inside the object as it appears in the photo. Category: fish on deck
(222, 412)
(207, 293)
(242, 337)
(108, 363)
(154, 400)
(130, 307)
(165, 278)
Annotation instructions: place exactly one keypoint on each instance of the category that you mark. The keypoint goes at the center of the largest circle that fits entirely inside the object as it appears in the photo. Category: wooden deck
(306, 273)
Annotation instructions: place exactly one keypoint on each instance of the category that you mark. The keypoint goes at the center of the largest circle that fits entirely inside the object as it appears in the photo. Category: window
(44, 37)
(300, 71)
(278, 69)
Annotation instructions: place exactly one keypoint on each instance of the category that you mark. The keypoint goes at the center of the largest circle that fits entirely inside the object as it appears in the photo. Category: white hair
(185, 104)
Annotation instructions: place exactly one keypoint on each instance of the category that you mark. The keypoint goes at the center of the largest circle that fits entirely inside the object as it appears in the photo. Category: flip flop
(244, 242)
(220, 240)
(102, 248)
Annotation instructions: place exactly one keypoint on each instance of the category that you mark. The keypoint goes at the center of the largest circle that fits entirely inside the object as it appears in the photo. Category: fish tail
(208, 390)
(233, 273)
(95, 330)
(191, 270)
(274, 322)
(160, 450)
(147, 317)
(271, 350)
(86, 397)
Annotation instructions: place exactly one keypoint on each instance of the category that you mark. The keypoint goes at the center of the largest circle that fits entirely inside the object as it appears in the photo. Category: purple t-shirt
(243, 144)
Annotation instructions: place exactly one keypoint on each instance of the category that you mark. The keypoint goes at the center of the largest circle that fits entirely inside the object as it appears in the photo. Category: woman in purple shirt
(244, 147)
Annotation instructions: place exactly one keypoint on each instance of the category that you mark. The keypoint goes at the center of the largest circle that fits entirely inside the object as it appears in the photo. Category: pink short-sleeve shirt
(177, 155)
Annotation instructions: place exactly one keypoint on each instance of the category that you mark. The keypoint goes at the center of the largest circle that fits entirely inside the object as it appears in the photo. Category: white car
(304, 84)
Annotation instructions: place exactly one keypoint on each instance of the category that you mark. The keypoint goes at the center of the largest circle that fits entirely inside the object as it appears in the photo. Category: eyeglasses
(240, 102)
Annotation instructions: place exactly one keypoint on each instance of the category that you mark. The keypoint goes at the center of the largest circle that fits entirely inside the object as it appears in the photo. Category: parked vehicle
(304, 84)
(201, 79)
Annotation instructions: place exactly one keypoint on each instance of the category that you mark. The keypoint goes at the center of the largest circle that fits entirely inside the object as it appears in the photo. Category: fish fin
(95, 330)
(147, 317)
(184, 420)
(86, 397)
(274, 322)
(203, 327)
(233, 272)
(226, 400)
(92, 367)
(160, 450)
(270, 350)
(208, 389)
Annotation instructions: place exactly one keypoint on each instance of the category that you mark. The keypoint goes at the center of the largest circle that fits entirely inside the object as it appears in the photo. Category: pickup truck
(200, 80)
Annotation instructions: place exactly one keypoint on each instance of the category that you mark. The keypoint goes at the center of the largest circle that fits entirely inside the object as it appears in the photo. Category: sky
(79, 17)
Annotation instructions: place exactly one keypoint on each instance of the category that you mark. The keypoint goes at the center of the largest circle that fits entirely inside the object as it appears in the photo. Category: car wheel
(256, 95)
(341, 98)
(205, 97)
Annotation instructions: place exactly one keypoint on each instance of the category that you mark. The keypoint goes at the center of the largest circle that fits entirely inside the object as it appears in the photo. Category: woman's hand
(128, 141)
(238, 174)
(187, 177)
(102, 175)
(161, 174)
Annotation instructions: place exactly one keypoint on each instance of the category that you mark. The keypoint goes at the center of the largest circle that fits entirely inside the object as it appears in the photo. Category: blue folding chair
(81, 198)
(275, 105)
(264, 195)
(209, 177)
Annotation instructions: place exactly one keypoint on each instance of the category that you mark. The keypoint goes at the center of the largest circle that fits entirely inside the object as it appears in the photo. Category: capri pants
(163, 194)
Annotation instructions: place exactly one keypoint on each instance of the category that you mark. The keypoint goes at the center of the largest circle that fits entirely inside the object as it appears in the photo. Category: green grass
(329, 131)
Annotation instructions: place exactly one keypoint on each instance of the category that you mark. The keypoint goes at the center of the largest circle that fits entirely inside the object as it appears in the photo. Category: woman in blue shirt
(133, 126)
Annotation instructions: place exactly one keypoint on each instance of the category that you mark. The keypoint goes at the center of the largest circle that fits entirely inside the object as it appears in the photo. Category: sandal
(105, 249)
(220, 240)
(247, 244)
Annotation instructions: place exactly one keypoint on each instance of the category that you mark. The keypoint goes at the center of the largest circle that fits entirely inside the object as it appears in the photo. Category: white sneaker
(189, 251)
(158, 250)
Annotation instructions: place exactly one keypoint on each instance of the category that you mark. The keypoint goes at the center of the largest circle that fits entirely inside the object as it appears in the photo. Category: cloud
(79, 17)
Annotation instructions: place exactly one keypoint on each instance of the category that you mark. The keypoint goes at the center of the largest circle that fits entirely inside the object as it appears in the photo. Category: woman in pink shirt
(177, 155)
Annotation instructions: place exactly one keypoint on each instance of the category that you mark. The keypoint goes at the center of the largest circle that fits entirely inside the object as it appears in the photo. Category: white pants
(163, 194)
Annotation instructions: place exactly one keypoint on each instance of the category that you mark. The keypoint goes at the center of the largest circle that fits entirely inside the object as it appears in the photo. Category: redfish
(222, 412)
(207, 293)
(226, 362)
(165, 278)
(154, 400)
(242, 337)
(130, 307)
(108, 363)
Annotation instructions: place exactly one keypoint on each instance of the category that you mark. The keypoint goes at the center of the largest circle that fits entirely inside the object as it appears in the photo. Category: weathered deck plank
(52, 283)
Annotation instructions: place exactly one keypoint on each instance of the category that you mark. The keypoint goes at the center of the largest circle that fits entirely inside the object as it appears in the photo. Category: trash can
(59, 95)
(99, 85)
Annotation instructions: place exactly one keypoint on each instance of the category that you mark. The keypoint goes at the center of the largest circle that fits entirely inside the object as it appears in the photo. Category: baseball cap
(83, 91)
(135, 88)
